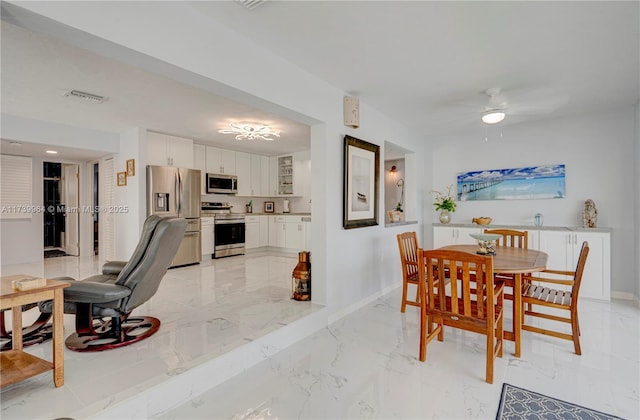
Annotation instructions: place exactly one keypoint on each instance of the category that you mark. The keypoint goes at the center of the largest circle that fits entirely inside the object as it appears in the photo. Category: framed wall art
(361, 181)
(268, 206)
(121, 178)
(532, 182)
(131, 167)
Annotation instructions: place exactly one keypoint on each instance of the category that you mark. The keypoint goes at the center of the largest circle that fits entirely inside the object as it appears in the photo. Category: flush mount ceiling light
(251, 132)
(493, 116)
(52, 152)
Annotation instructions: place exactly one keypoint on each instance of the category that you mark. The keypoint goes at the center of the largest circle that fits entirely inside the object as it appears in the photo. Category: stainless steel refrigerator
(176, 192)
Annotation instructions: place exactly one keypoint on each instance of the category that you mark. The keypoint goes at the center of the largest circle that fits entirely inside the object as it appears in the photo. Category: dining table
(516, 261)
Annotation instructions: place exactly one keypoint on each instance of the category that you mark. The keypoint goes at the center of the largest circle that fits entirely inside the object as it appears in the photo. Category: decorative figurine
(589, 214)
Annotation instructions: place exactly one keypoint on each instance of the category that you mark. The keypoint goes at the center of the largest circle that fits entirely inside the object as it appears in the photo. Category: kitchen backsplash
(296, 204)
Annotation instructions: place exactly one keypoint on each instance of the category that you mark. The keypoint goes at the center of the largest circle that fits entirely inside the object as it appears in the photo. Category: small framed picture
(131, 167)
(268, 206)
(121, 178)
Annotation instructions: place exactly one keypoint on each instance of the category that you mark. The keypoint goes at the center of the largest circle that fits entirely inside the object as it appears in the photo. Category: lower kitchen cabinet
(206, 237)
(277, 226)
(256, 231)
(287, 232)
(562, 244)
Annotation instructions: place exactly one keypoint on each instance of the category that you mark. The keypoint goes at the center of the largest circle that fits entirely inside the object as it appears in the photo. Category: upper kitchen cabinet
(221, 161)
(165, 150)
(253, 175)
(290, 175)
(200, 162)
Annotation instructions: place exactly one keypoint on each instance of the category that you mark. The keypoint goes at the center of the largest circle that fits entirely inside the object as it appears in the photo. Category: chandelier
(250, 132)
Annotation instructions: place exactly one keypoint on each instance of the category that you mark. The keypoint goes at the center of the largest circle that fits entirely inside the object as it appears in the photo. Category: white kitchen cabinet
(221, 161)
(200, 162)
(206, 237)
(259, 176)
(243, 171)
(277, 235)
(563, 248)
(294, 232)
(165, 150)
(450, 235)
(253, 175)
(252, 232)
(290, 175)
(264, 231)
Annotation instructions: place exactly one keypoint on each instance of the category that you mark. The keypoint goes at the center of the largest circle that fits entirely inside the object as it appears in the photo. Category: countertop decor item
(444, 203)
(481, 220)
(487, 242)
(589, 214)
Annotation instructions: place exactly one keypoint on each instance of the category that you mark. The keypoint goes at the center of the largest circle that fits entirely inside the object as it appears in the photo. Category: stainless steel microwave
(222, 184)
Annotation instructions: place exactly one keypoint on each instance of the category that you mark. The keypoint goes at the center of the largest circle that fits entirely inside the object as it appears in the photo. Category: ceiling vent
(89, 97)
(251, 4)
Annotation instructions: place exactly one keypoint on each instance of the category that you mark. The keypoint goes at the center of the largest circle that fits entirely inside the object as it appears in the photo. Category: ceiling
(425, 64)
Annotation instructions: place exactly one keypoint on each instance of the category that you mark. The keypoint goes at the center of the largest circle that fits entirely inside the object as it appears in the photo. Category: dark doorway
(54, 222)
(96, 203)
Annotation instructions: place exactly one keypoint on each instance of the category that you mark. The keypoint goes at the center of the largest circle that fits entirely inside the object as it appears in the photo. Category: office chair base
(132, 330)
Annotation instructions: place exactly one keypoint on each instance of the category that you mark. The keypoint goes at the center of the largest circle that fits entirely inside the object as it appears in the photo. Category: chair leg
(575, 332)
(404, 296)
(490, 355)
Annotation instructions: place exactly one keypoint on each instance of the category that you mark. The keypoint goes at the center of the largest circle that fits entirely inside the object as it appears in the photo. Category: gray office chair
(103, 303)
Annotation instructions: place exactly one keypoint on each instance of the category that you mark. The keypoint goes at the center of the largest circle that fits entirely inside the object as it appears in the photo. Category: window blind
(16, 187)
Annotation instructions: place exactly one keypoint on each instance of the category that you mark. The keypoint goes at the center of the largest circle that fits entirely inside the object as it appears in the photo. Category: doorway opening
(61, 216)
(95, 199)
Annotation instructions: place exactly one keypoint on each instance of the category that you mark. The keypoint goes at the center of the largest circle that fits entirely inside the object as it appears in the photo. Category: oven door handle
(229, 222)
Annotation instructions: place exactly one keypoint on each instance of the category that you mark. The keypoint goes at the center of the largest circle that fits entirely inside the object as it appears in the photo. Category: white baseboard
(625, 296)
(355, 306)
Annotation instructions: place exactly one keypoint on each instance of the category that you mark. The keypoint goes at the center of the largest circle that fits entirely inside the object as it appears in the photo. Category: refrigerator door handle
(179, 183)
(177, 193)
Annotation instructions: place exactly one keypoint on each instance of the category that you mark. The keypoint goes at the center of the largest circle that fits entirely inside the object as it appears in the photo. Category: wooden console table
(15, 364)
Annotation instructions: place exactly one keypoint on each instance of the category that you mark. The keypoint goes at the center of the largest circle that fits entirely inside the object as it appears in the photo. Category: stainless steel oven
(229, 233)
(228, 229)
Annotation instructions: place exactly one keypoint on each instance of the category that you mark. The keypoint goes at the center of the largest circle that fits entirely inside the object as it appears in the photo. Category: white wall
(598, 151)
(22, 240)
(130, 200)
(354, 264)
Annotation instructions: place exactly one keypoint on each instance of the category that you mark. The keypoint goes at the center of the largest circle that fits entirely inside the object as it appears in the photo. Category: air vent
(89, 97)
(251, 4)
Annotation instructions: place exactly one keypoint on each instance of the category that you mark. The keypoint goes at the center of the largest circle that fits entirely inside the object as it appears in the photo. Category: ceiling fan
(495, 104)
(519, 102)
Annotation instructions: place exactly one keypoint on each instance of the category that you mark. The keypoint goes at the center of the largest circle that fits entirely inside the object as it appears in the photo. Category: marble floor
(361, 366)
(207, 310)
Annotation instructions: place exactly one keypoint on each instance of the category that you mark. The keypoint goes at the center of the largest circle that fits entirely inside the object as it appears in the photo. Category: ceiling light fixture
(52, 152)
(493, 116)
(251, 132)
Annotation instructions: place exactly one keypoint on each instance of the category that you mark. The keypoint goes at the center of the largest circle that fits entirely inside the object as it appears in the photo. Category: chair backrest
(408, 246)
(511, 238)
(159, 242)
(577, 279)
(469, 296)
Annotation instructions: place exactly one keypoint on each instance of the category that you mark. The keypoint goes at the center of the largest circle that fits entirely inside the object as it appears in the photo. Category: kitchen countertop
(527, 227)
(262, 214)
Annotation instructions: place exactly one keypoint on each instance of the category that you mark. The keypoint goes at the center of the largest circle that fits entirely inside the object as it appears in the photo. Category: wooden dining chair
(471, 301)
(514, 239)
(408, 246)
(533, 293)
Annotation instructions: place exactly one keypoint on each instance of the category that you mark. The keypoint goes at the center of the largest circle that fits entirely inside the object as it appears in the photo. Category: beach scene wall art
(533, 182)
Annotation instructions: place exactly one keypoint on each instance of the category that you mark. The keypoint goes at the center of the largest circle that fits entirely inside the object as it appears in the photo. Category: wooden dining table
(516, 261)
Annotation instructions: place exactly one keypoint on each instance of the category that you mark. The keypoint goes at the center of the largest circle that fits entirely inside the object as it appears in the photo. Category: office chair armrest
(113, 267)
(92, 292)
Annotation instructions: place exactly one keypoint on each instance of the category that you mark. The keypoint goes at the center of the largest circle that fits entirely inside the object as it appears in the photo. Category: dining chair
(408, 246)
(471, 301)
(534, 294)
(514, 239)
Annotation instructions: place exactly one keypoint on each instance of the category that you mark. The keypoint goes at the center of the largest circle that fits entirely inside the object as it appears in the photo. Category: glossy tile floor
(206, 310)
(362, 366)
(365, 366)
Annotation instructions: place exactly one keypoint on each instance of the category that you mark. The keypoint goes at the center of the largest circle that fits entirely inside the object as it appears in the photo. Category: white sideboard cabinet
(562, 244)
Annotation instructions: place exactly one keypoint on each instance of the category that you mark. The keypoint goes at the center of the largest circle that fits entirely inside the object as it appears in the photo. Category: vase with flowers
(445, 204)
